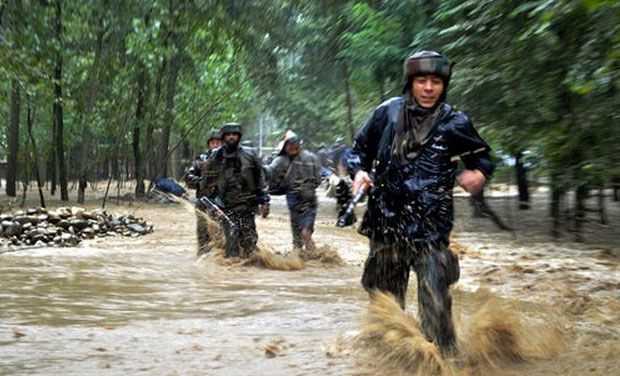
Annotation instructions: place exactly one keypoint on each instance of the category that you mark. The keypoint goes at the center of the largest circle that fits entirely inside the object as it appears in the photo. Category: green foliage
(535, 75)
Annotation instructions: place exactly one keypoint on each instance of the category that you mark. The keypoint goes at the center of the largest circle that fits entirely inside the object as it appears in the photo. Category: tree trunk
(556, 197)
(13, 139)
(522, 183)
(140, 121)
(602, 212)
(92, 90)
(57, 110)
(140, 112)
(173, 71)
(51, 170)
(581, 194)
(348, 101)
(35, 153)
(2, 8)
(150, 143)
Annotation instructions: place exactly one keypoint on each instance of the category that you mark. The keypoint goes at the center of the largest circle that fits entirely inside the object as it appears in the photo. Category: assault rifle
(216, 209)
(344, 219)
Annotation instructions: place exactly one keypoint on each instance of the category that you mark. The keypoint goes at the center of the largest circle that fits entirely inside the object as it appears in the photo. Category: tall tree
(13, 139)
(90, 98)
(58, 106)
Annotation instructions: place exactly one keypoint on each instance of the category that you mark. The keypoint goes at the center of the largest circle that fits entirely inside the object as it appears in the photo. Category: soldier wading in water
(233, 179)
(193, 177)
(296, 172)
(406, 155)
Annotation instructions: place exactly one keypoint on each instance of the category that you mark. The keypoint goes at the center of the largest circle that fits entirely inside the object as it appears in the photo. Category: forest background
(128, 90)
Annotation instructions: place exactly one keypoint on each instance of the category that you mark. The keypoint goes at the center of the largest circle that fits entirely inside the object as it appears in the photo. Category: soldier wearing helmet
(406, 157)
(233, 178)
(192, 178)
(192, 175)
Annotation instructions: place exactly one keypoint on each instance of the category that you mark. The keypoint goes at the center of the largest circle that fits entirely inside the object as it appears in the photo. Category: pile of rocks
(66, 226)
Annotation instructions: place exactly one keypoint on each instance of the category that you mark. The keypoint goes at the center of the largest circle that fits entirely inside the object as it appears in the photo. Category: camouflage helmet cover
(214, 134)
(426, 62)
(231, 128)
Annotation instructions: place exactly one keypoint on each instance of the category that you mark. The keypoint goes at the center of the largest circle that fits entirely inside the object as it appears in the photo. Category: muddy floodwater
(147, 305)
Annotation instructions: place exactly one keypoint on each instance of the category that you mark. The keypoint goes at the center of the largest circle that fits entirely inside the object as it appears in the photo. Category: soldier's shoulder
(455, 116)
(389, 108)
(308, 154)
(394, 101)
(247, 149)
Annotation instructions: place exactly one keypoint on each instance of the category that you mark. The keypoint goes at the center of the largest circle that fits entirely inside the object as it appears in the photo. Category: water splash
(497, 332)
(325, 255)
(269, 259)
(394, 340)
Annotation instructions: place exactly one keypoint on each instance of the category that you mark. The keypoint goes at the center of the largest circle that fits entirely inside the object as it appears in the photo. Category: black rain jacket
(413, 202)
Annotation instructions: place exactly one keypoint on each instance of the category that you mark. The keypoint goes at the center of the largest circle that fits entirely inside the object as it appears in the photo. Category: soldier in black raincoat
(192, 178)
(233, 179)
(407, 156)
(297, 173)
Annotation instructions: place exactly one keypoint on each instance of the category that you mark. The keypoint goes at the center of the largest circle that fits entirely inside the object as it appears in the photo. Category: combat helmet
(231, 128)
(426, 62)
(214, 134)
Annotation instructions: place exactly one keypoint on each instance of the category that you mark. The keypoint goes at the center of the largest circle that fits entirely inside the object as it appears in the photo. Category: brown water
(148, 306)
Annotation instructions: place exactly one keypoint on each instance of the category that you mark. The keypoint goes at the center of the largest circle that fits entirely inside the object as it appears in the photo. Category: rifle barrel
(342, 221)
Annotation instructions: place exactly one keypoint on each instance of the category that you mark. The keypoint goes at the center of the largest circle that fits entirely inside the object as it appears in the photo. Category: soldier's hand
(362, 181)
(472, 181)
(264, 210)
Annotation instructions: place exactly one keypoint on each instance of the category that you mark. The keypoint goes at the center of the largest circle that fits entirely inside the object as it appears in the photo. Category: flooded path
(148, 306)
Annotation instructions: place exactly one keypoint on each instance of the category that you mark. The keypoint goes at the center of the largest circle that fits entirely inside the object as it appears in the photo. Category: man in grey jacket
(296, 172)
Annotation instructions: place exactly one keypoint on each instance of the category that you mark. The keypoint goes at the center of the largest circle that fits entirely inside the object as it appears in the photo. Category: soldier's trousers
(202, 232)
(241, 235)
(302, 217)
(387, 269)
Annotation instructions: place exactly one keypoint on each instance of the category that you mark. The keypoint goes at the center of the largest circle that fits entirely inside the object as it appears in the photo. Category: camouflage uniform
(298, 176)
(413, 152)
(234, 180)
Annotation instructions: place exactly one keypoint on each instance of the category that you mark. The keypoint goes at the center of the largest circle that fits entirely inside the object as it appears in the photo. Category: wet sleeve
(275, 168)
(467, 144)
(192, 175)
(317, 170)
(208, 182)
(366, 143)
(262, 195)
